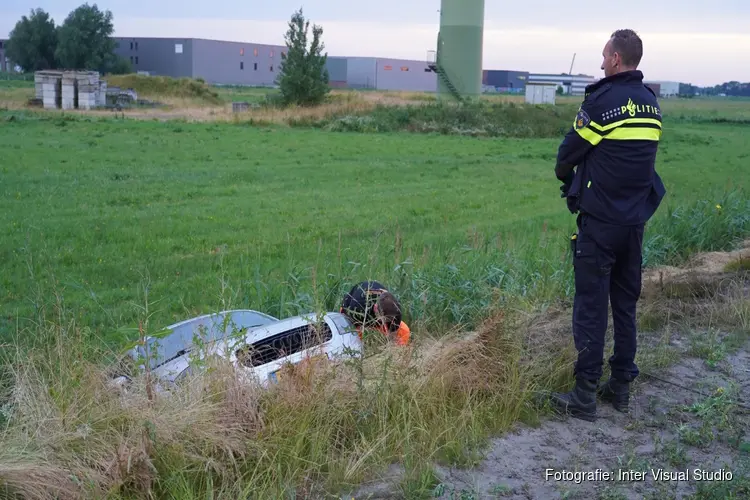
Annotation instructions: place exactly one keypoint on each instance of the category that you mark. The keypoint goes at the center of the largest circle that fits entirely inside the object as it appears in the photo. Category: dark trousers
(607, 263)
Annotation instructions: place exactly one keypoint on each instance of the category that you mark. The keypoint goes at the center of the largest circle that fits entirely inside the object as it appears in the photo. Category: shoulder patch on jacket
(582, 119)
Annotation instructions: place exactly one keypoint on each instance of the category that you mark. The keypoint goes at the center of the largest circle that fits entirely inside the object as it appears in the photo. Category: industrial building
(571, 84)
(504, 80)
(254, 64)
(217, 62)
(456, 71)
(665, 89)
(5, 64)
(382, 74)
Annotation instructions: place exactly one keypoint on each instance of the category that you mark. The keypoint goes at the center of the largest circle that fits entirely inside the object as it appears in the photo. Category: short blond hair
(629, 45)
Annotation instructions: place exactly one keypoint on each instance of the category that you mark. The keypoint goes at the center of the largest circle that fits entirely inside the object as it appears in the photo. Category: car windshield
(179, 339)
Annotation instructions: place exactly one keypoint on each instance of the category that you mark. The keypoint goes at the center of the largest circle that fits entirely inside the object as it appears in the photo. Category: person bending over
(369, 304)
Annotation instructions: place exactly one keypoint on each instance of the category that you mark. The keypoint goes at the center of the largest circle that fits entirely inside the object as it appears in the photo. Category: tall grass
(455, 287)
(317, 431)
(325, 428)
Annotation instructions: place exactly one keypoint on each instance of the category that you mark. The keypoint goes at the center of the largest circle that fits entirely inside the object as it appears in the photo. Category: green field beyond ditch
(207, 216)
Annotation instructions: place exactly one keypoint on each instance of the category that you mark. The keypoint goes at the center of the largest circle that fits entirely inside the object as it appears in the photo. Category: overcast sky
(704, 43)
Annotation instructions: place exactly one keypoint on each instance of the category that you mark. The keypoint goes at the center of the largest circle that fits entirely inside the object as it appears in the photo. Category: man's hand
(566, 182)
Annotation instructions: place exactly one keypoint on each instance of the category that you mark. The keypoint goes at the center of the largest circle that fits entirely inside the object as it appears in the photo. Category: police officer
(615, 190)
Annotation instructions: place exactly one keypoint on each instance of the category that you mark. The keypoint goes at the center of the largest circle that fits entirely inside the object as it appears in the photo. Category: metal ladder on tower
(434, 66)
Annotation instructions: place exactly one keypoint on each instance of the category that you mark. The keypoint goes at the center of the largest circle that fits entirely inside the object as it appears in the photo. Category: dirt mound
(158, 87)
(702, 267)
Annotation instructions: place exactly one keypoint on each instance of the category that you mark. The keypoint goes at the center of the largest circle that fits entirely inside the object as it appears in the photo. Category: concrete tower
(459, 50)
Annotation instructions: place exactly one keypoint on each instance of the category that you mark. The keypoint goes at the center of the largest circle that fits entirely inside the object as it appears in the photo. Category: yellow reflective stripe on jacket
(634, 134)
(627, 121)
(589, 135)
(620, 130)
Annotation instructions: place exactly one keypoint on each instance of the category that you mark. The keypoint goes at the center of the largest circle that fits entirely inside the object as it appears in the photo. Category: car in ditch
(256, 343)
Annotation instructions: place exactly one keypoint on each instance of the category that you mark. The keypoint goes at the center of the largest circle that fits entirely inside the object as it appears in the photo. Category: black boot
(617, 393)
(580, 402)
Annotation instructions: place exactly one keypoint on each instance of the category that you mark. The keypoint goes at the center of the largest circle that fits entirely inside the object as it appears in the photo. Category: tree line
(729, 89)
(83, 41)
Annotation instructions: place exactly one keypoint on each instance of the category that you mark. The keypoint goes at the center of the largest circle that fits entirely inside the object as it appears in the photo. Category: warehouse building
(240, 63)
(389, 74)
(665, 89)
(495, 80)
(571, 84)
(337, 68)
(217, 62)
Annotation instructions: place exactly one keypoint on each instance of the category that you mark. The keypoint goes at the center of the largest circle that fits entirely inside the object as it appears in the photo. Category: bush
(476, 119)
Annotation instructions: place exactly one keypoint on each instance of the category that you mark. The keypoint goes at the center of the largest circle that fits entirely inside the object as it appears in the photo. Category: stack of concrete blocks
(101, 99)
(88, 89)
(46, 83)
(38, 87)
(71, 89)
(68, 90)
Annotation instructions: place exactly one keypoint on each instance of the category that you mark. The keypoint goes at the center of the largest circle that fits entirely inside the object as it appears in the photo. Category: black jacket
(613, 142)
(358, 303)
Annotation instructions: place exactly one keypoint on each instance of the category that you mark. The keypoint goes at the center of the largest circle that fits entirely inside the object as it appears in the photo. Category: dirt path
(668, 428)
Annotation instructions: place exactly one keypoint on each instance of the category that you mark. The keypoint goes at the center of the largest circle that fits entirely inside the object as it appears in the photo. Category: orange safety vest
(403, 334)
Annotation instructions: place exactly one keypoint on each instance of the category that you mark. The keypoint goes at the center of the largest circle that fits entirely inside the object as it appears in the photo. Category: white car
(254, 342)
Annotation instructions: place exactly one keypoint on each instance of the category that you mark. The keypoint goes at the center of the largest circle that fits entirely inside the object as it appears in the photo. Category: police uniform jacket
(613, 142)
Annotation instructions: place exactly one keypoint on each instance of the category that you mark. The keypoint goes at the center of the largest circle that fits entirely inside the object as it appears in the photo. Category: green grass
(287, 216)
(15, 84)
(16, 77)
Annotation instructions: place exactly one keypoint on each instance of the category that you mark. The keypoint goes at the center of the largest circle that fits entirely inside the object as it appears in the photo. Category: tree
(85, 40)
(121, 66)
(33, 41)
(303, 77)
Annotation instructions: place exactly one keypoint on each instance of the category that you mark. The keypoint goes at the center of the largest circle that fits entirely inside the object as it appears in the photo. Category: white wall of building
(571, 84)
(540, 93)
(668, 89)
(405, 75)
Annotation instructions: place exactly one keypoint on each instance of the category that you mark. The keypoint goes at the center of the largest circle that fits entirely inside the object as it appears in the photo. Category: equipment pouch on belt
(573, 240)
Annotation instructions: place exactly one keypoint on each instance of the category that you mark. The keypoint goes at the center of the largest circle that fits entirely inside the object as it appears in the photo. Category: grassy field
(101, 205)
(112, 223)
